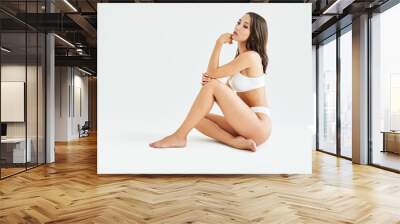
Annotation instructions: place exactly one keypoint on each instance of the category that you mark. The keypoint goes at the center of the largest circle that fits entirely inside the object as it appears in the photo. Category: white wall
(149, 75)
(80, 83)
(12, 73)
(61, 103)
(67, 116)
(12, 101)
(15, 72)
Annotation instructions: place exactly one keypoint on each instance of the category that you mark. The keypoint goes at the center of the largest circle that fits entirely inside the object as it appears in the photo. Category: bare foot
(247, 144)
(171, 141)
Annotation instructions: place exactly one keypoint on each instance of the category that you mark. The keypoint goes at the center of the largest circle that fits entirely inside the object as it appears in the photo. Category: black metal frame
(317, 96)
(26, 89)
(0, 91)
(45, 91)
(369, 90)
(338, 98)
(37, 164)
(37, 91)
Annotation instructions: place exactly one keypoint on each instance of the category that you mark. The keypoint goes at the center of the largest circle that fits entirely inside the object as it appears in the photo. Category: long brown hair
(258, 37)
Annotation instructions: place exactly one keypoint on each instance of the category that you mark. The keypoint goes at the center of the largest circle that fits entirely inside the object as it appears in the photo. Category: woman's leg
(236, 113)
(201, 106)
(221, 122)
(214, 130)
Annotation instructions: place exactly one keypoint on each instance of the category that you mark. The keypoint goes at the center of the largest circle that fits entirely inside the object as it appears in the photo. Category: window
(385, 89)
(346, 93)
(22, 77)
(327, 96)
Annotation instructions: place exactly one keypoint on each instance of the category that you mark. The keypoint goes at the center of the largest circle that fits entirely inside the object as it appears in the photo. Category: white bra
(242, 83)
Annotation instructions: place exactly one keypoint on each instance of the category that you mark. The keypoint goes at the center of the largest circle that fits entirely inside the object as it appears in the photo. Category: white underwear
(264, 110)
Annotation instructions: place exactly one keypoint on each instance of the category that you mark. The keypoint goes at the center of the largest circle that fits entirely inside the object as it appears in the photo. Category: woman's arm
(241, 62)
(214, 59)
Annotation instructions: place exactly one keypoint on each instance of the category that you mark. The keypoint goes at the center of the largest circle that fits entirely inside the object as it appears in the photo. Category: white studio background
(150, 60)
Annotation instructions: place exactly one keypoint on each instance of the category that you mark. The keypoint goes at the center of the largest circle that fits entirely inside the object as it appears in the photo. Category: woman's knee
(262, 138)
(212, 84)
(200, 124)
(209, 116)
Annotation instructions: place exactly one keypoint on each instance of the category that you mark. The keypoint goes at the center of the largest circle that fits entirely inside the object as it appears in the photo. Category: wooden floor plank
(70, 191)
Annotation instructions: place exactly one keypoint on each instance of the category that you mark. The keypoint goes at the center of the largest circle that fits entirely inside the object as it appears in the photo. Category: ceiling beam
(84, 24)
(337, 6)
(84, 61)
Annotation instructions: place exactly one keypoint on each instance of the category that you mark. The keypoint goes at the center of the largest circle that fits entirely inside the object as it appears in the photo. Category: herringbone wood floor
(70, 191)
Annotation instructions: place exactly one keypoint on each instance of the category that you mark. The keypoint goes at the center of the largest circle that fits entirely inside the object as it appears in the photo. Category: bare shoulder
(255, 62)
(252, 56)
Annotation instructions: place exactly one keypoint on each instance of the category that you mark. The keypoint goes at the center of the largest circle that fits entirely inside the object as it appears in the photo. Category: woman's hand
(225, 38)
(205, 79)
